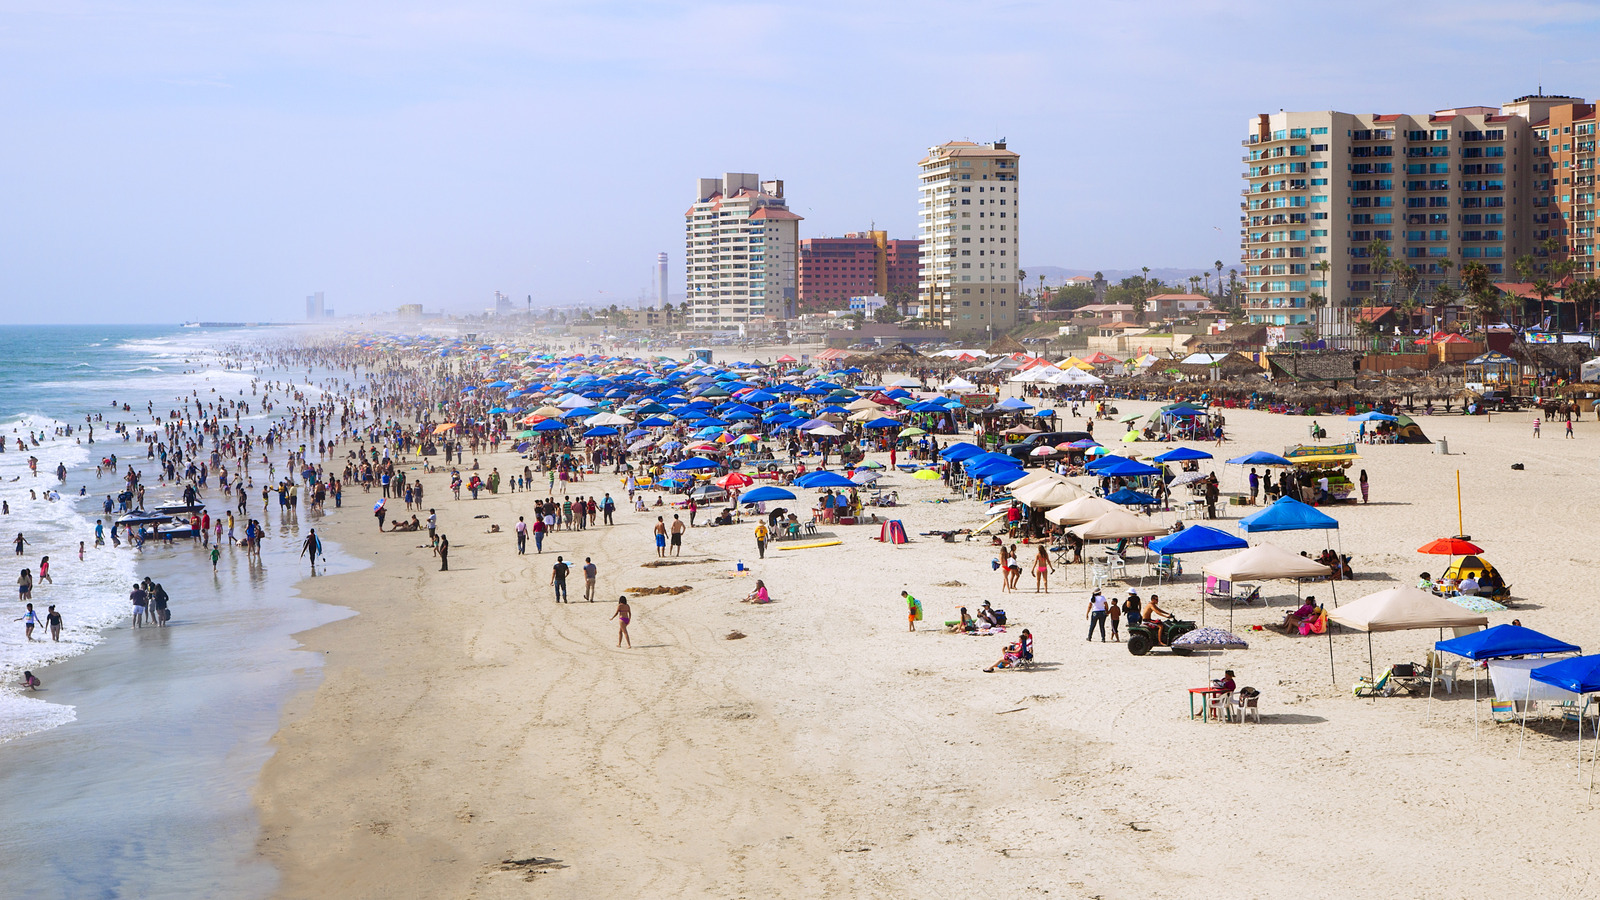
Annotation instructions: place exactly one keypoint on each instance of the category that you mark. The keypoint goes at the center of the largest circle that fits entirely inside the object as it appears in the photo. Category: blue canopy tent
(1500, 642)
(1198, 539)
(1374, 417)
(1127, 468)
(960, 451)
(694, 462)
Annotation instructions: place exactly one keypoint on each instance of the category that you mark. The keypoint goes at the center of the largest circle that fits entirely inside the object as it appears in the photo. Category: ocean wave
(145, 369)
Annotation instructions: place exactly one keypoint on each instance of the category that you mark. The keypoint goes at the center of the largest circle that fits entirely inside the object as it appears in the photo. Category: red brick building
(832, 270)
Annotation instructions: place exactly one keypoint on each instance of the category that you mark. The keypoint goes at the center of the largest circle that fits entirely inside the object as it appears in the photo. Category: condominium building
(1437, 190)
(969, 212)
(832, 270)
(740, 254)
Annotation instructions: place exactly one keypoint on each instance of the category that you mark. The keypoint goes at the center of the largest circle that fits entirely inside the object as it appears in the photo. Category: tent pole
(1331, 673)
(1527, 703)
(1371, 669)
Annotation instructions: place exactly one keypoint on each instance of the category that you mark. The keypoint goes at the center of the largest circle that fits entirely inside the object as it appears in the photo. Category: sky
(168, 161)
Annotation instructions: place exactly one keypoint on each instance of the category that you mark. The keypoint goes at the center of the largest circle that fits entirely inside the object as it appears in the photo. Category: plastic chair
(1249, 705)
(1115, 565)
(1221, 706)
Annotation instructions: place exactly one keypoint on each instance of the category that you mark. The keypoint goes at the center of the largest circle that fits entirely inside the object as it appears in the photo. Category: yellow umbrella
(926, 475)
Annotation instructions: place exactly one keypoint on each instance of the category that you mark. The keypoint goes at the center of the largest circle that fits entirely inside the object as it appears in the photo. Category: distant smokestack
(661, 280)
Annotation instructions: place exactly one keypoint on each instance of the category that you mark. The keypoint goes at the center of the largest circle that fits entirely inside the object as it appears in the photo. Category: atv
(1145, 635)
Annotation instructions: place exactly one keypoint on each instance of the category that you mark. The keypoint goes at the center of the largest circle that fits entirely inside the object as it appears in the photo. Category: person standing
(29, 619)
(1569, 425)
(1114, 616)
(677, 535)
(761, 539)
(1255, 486)
(20, 543)
(1041, 570)
(608, 506)
(44, 571)
(1096, 614)
(522, 536)
(693, 508)
(140, 603)
(661, 537)
(558, 579)
(539, 529)
(1365, 496)
(433, 525)
(590, 573)
(379, 512)
(913, 610)
(444, 553)
(25, 586)
(1535, 434)
(623, 615)
(52, 620)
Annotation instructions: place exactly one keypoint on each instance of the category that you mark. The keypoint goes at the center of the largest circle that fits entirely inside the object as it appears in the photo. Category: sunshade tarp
(1260, 458)
(1047, 494)
(1512, 681)
(1198, 539)
(1402, 609)
(1287, 514)
(1116, 525)
(1266, 563)
(1504, 640)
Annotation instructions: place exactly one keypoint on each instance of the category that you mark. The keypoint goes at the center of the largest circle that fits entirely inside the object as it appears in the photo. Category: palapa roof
(1332, 365)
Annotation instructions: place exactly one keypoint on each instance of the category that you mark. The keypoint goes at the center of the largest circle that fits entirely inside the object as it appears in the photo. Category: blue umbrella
(1131, 497)
(765, 494)
(695, 462)
(549, 425)
(882, 422)
(1260, 458)
(826, 480)
(1182, 454)
(1374, 417)
(600, 431)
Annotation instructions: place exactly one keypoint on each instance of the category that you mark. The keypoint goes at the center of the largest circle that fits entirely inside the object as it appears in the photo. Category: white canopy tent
(1402, 608)
(1263, 562)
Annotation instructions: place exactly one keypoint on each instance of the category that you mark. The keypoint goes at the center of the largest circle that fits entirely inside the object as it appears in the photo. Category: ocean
(129, 773)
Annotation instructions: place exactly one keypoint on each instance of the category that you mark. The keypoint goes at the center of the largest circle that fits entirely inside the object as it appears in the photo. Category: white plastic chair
(1249, 706)
(1116, 567)
(1221, 706)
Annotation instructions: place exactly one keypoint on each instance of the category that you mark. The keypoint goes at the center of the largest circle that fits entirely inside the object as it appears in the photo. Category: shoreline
(469, 736)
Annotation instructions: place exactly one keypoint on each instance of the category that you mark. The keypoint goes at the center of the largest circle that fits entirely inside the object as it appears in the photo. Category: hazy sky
(166, 161)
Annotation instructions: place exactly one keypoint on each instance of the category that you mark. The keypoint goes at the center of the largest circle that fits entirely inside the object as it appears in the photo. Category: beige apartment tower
(741, 254)
(1436, 190)
(969, 214)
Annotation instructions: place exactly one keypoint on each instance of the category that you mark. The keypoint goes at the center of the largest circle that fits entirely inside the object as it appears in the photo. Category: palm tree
(1206, 277)
(1378, 252)
(1218, 264)
(1585, 292)
(1408, 310)
(1443, 296)
(1483, 298)
(1315, 302)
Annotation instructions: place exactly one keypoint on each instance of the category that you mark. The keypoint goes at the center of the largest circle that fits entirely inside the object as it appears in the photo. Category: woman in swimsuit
(622, 615)
(1041, 571)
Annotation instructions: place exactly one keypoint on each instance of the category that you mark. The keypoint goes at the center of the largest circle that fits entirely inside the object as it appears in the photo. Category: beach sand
(471, 738)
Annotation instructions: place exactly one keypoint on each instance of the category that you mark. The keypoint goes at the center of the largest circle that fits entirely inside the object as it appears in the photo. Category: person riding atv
(1157, 633)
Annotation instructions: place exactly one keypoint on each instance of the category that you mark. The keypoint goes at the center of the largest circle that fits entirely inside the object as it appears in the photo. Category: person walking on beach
(52, 620)
(539, 529)
(1365, 497)
(522, 536)
(44, 571)
(623, 614)
(761, 539)
(1569, 428)
(1535, 433)
(1114, 616)
(558, 579)
(444, 553)
(28, 620)
(913, 610)
(1096, 614)
(661, 537)
(590, 572)
(313, 545)
(677, 535)
(380, 511)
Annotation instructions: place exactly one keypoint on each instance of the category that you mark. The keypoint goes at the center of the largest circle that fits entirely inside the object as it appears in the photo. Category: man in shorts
(677, 535)
(140, 603)
(661, 536)
(590, 571)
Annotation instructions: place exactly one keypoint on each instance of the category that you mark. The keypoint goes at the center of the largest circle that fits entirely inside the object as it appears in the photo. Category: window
(1319, 148)
(1319, 131)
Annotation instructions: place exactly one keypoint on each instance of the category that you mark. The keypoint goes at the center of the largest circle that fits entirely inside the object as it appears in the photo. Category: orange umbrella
(1455, 546)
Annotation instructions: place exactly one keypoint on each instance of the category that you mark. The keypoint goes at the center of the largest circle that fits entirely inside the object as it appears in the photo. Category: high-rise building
(314, 307)
(1327, 194)
(502, 305)
(968, 277)
(661, 280)
(832, 270)
(741, 248)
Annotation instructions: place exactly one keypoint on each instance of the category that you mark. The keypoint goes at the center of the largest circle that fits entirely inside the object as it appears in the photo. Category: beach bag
(166, 615)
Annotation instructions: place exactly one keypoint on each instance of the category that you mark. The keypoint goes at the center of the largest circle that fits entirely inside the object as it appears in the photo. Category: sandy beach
(472, 738)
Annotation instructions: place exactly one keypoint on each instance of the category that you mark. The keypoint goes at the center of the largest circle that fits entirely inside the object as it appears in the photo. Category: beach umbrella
(1210, 638)
(1045, 450)
(1260, 458)
(927, 475)
(827, 480)
(1454, 546)
(549, 425)
(695, 462)
(865, 476)
(765, 494)
(601, 431)
(1182, 454)
(734, 479)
